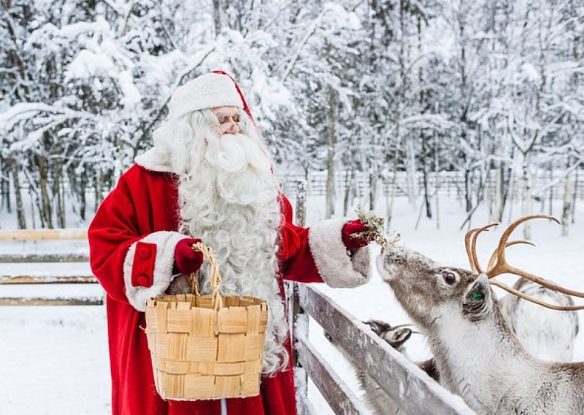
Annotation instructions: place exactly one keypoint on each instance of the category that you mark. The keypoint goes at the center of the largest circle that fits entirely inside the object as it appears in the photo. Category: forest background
(364, 99)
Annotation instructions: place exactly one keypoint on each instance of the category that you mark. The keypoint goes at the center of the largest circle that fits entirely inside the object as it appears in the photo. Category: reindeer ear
(377, 326)
(477, 302)
(397, 337)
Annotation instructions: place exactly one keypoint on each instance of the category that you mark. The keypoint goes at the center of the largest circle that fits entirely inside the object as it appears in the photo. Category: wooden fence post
(296, 316)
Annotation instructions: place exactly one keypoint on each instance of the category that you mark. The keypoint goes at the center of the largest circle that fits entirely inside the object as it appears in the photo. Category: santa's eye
(449, 277)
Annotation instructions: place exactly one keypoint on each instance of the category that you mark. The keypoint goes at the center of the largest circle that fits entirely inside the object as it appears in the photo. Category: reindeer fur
(476, 352)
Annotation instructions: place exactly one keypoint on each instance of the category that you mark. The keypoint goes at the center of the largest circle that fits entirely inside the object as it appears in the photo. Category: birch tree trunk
(58, 192)
(45, 203)
(427, 198)
(21, 219)
(372, 190)
(575, 195)
(330, 162)
(437, 183)
(82, 200)
(567, 201)
(98, 190)
(567, 204)
(503, 188)
(5, 186)
(467, 191)
(349, 183)
(217, 16)
(526, 197)
(411, 169)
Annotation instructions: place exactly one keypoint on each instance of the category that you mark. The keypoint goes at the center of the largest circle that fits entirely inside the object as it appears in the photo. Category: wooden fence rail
(35, 279)
(412, 389)
(42, 258)
(43, 234)
(43, 301)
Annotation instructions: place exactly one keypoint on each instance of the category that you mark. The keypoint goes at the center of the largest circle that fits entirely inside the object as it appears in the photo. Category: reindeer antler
(498, 264)
(507, 245)
(470, 241)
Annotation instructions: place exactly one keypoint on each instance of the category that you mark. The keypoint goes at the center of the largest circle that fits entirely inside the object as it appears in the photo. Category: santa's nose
(233, 128)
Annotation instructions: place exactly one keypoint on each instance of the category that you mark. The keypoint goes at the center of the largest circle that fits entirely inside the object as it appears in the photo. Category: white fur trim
(165, 243)
(206, 91)
(154, 160)
(335, 266)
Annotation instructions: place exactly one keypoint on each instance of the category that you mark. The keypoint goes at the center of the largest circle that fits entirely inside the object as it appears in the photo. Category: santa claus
(209, 177)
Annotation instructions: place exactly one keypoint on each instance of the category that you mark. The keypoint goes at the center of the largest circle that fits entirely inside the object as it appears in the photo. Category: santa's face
(228, 118)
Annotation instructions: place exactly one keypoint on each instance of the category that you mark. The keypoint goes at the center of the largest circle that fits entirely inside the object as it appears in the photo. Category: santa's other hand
(349, 231)
(186, 259)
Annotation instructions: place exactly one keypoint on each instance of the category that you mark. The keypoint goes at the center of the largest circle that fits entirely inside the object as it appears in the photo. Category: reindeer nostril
(398, 259)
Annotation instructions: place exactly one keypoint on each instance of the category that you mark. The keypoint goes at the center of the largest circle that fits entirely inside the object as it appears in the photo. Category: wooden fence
(450, 184)
(412, 389)
(25, 279)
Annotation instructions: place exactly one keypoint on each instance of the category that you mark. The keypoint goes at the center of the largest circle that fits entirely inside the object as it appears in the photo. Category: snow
(530, 73)
(87, 64)
(56, 359)
(76, 29)
(20, 110)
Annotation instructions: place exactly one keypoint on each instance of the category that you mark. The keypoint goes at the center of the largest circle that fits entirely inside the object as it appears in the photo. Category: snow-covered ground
(54, 359)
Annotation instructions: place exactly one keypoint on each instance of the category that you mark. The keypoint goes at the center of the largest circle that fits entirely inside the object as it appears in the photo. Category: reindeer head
(396, 336)
(428, 290)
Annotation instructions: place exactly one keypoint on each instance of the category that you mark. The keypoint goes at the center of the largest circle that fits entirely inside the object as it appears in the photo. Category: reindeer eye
(449, 277)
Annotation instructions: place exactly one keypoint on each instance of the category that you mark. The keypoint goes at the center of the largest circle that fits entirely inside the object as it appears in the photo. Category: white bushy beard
(228, 197)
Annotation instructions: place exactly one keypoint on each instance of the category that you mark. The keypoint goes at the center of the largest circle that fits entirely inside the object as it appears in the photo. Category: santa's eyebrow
(220, 115)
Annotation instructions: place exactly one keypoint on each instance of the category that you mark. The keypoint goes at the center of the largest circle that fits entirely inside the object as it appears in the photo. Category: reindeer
(375, 399)
(475, 351)
(545, 334)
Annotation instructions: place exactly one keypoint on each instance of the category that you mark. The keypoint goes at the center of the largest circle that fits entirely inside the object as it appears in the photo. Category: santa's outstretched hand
(186, 259)
(351, 234)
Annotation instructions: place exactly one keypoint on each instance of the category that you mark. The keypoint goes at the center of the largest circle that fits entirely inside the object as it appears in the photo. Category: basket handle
(209, 255)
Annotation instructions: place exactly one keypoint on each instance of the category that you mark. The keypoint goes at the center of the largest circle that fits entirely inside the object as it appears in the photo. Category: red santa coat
(132, 240)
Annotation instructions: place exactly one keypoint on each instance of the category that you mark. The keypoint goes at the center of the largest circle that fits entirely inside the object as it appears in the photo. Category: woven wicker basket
(206, 347)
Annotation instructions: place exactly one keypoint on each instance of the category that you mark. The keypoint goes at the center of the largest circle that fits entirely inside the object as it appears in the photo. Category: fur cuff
(336, 267)
(165, 243)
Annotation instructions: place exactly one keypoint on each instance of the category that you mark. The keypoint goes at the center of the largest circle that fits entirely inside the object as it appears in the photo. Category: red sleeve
(111, 232)
(297, 263)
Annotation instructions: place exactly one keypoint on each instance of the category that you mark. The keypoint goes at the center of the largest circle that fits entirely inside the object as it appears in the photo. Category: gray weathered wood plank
(23, 301)
(413, 390)
(35, 279)
(339, 396)
(17, 258)
(43, 234)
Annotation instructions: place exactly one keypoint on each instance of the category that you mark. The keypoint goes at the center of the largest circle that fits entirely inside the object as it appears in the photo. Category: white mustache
(234, 153)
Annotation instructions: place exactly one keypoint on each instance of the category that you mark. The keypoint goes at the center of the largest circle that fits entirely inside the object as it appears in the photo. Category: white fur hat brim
(206, 91)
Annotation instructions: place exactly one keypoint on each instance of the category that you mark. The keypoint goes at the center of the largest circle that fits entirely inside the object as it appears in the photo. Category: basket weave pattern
(206, 347)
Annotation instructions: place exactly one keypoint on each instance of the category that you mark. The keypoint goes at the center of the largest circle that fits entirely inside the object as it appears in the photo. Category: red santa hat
(215, 89)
